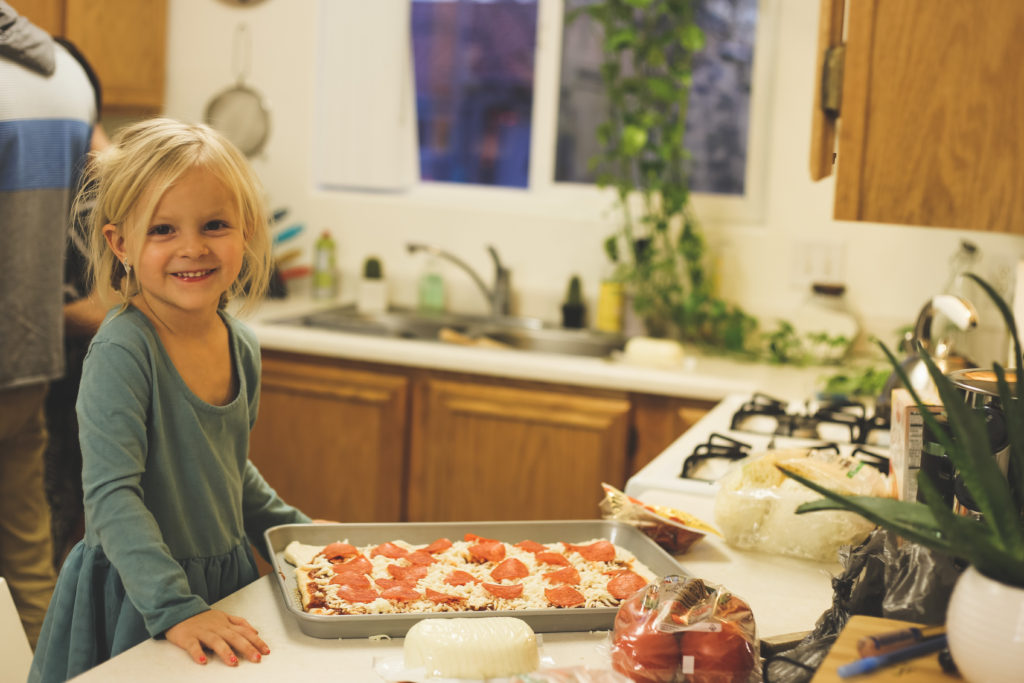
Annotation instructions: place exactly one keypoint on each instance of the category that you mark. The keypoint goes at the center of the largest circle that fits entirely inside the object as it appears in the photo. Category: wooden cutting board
(924, 669)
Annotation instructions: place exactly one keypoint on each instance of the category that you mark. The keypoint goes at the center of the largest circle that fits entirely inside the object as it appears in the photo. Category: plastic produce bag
(755, 507)
(673, 530)
(685, 629)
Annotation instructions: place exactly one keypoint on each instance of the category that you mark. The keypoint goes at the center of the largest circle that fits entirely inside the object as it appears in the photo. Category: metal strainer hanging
(240, 112)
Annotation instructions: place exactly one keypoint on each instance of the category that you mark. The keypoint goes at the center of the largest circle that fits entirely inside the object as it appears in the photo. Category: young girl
(169, 393)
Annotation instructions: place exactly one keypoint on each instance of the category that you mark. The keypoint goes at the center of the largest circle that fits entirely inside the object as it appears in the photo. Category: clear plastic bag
(755, 507)
(685, 629)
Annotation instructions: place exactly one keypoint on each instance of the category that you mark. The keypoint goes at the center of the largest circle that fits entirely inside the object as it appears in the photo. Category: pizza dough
(475, 574)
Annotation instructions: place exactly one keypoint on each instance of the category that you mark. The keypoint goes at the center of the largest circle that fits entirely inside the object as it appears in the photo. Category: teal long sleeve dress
(171, 499)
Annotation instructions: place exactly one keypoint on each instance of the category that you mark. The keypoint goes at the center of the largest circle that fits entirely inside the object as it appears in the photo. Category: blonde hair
(124, 183)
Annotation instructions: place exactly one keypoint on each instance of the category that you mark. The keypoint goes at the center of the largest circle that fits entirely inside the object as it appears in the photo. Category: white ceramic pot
(985, 627)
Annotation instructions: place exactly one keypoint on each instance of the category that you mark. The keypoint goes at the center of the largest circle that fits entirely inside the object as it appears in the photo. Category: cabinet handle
(823, 117)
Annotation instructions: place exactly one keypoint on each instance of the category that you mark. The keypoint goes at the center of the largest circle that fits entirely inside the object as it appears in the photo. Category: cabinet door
(931, 112)
(331, 439)
(492, 452)
(660, 420)
(125, 42)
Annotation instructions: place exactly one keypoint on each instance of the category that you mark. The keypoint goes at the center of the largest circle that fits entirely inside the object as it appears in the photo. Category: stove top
(743, 425)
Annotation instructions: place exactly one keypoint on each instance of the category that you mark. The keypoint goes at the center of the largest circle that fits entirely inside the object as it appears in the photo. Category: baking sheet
(419, 533)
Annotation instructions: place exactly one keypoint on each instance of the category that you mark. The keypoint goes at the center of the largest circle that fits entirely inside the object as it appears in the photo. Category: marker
(869, 646)
(869, 664)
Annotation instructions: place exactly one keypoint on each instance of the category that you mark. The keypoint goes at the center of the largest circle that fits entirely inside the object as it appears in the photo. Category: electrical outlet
(818, 261)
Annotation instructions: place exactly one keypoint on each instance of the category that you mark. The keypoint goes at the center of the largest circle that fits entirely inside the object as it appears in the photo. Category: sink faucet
(498, 295)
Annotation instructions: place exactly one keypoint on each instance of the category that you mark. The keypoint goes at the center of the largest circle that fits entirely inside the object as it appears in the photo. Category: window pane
(474, 89)
(719, 106)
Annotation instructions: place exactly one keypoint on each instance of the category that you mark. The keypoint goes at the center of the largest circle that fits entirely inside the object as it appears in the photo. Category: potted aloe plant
(987, 605)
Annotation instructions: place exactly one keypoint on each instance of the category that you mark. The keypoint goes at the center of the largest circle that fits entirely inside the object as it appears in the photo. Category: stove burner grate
(717, 447)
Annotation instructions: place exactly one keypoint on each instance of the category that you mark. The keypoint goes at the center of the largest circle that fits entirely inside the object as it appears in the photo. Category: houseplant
(659, 251)
(992, 545)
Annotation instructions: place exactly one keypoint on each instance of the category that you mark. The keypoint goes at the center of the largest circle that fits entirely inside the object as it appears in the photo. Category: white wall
(889, 270)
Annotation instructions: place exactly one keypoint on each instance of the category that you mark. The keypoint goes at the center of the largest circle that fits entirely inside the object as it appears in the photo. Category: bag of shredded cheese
(674, 530)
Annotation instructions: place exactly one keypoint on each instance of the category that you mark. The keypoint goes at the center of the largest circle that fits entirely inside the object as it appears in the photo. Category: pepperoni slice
(460, 578)
(599, 551)
(352, 580)
(507, 592)
(441, 598)
(384, 584)
(389, 550)
(624, 584)
(420, 557)
(487, 551)
(510, 568)
(357, 594)
(401, 594)
(552, 558)
(401, 573)
(567, 575)
(438, 546)
(563, 596)
(470, 538)
(333, 551)
(531, 546)
(357, 565)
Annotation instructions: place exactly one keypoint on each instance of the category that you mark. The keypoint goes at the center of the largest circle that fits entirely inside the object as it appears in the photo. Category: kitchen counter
(698, 377)
(786, 596)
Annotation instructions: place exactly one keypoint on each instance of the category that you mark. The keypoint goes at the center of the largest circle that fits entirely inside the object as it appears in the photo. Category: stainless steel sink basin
(527, 334)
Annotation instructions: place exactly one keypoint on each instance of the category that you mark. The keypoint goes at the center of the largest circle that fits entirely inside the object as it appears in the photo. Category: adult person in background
(47, 113)
(82, 317)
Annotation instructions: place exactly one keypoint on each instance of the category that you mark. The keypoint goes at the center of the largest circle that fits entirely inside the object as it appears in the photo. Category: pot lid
(981, 381)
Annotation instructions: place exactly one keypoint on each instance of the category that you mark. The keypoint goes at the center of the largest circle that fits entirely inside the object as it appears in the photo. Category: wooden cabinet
(362, 442)
(331, 439)
(660, 420)
(930, 112)
(484, 451)
(124, 41)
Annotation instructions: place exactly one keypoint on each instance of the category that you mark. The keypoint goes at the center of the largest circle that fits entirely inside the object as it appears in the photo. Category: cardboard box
(906, 443)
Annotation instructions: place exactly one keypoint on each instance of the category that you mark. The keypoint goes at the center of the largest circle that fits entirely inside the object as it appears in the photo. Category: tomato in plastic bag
(685, 630)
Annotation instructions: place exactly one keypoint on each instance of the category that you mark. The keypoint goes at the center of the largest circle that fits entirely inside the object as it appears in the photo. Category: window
(474, 74)
(474, 65)
(718, 109)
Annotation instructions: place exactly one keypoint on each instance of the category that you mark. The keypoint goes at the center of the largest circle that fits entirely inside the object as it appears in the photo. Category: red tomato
(718, 656)
(639, 650)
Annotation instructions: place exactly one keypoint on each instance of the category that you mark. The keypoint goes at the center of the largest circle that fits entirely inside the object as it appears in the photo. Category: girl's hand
(223, 633)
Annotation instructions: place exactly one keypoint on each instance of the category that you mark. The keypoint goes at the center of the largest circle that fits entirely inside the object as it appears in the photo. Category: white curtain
(365, 135)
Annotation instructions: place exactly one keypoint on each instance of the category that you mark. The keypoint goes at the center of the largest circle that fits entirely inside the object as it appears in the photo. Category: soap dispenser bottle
(431, 288)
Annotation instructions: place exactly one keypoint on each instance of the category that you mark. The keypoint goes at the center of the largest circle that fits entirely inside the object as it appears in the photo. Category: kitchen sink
(527, 334)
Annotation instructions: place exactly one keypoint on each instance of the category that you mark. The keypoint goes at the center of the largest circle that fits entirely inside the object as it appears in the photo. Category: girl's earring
(127, 269)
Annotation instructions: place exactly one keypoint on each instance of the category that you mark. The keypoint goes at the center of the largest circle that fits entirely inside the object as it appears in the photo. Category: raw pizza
(474, 574)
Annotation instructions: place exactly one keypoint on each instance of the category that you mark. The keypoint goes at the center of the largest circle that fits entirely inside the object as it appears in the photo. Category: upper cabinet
(124, 41)
(928, 100)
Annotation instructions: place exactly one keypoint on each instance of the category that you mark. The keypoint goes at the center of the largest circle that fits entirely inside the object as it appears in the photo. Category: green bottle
(325, 274)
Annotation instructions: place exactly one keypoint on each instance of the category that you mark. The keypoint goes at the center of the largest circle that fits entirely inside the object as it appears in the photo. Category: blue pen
(869, 664)
(288, 233)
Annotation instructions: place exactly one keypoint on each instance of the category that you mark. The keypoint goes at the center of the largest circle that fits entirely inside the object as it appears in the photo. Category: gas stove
(742, 425)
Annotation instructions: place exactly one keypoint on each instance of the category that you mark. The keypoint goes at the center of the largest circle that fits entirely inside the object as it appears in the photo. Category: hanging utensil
(240, 112)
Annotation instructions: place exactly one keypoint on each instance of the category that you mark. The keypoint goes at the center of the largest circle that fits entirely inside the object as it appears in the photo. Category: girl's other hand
(223, 633)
